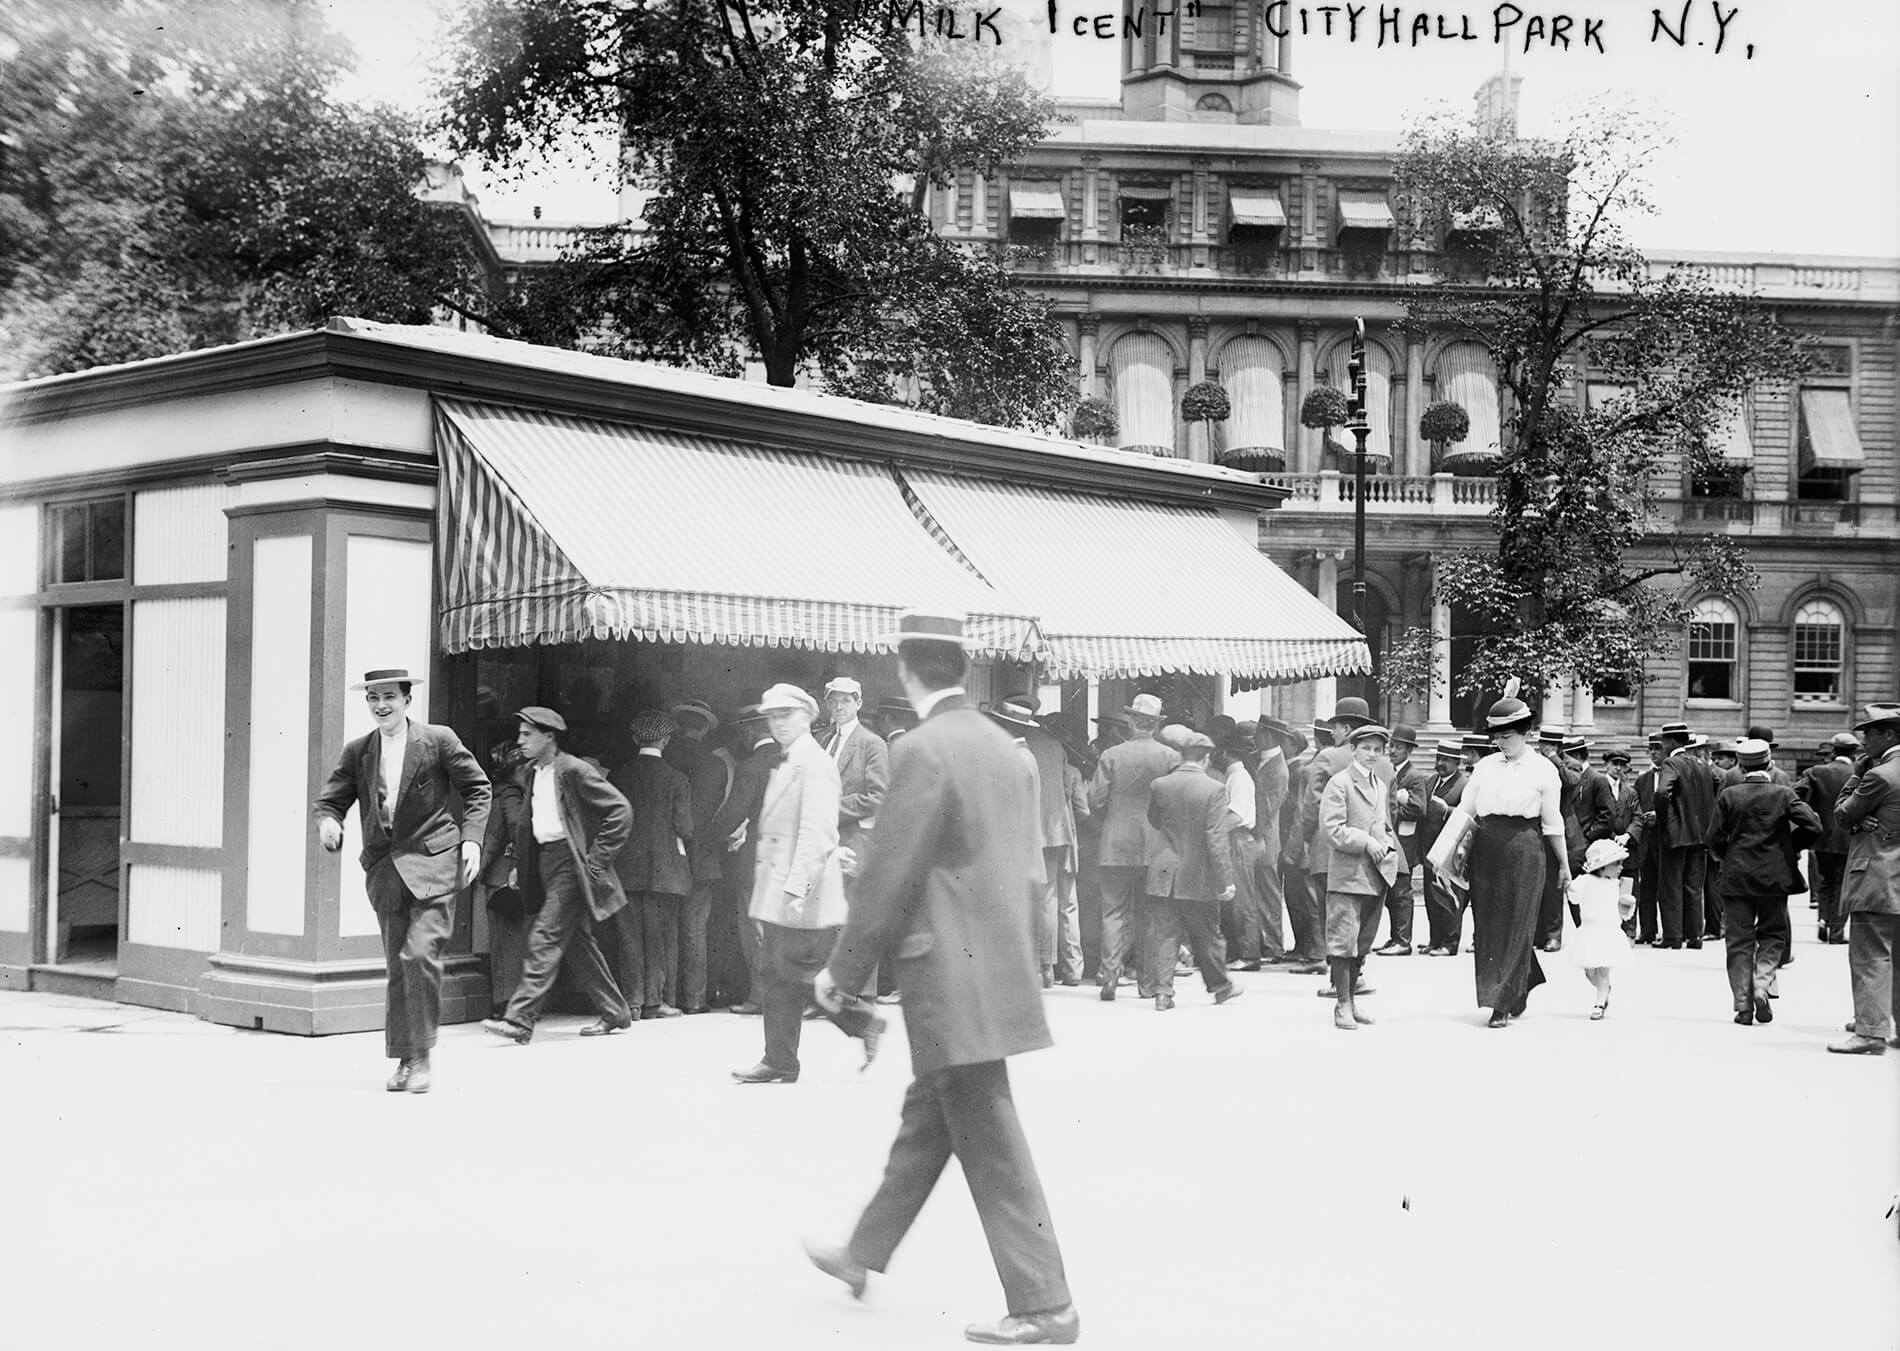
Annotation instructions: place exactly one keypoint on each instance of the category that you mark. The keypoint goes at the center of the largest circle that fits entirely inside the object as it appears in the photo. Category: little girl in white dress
(1602, 906)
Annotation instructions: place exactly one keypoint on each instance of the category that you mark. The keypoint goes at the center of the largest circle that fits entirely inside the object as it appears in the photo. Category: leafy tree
(788, 146)
(175, 177)
(1582, 581)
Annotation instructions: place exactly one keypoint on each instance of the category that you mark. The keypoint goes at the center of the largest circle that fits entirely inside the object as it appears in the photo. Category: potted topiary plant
(1446, 425)
(1205, 402)
(1444, 422)
(1094, 419)
(1324, 409)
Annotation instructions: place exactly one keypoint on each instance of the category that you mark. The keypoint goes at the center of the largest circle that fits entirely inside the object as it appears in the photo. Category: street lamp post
(1360, 428)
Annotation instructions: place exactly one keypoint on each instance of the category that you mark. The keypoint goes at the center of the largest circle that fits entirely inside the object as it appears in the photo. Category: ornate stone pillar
(1326, 587)
(1556, 708)
(1438, 704)
(979, 207)
(1087, 326)
(1197, 434)
(1309, 215)
(1306, 457)
(1417, 451)
(1583, 709)
(1091, 213)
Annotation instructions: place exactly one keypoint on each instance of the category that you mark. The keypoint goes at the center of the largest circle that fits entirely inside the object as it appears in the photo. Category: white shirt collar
(654, 751)
(936, 697)
(843, 729)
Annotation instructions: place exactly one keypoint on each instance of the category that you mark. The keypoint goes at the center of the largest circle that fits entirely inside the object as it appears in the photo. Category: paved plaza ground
(1243, 1175)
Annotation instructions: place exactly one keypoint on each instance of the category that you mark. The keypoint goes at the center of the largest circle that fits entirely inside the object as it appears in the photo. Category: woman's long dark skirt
(1506, 870)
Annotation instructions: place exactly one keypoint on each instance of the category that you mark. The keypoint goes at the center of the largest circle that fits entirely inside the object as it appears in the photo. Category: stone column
(979, 207)
(1556, 708)
(1087, 327)
(1417, 452)
(1197, 433)
(1309, 215)
(1583, 709)
(1438, 705)
(1306, 457)
(1091, 211)
(1326, 587)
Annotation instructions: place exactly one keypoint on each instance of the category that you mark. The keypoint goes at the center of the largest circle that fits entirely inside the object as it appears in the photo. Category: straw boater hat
(929, 626)
(1679, 730)
(1602, 853)
(695, 708)
(1012, 713)
(394, 675)
(1451, 748)
(1475, 741)
(1577, 745)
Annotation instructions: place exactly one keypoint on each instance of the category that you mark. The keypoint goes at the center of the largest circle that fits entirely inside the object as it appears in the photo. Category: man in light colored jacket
(797, 886)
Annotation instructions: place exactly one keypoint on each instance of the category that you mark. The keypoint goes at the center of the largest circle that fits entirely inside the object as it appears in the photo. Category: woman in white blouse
(1514, 794)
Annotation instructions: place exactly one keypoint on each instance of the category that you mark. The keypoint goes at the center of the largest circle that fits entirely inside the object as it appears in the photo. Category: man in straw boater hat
(1869, 810)
(1444, 908)
(574, 827)
(944, 894)
(1759, 829)
(403, 777)
(1118, 798)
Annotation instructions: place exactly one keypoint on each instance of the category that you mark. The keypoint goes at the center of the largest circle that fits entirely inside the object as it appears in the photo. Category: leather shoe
(1163, 1002)
(695, 1008)
(1764, 1011)
(1228, 991)
(1343, 1019)
(1744, 1017)
(894, 997)
(1858, 1045)
(837, 1262)
(1243, 966)
(419, 1076)
(1499, 1018)
(763, 1073)
(1070, 980)
(400, 1079)
(1107, 996)
(1393, 949)
(1696, 944)
(749, 1009)
(658, 1011)
(514, 1032)
(1057, 1327)
(600, 1027)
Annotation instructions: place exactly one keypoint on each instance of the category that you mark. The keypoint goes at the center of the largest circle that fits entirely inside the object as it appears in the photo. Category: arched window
(1714, 651)
(1142, 367)
(1468, 377)
(1378, 400)
(1250, 372)
(1820, 652)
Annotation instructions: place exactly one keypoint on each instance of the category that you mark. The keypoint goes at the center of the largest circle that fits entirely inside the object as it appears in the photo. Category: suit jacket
(945, 894)
(1118, 795)
(1685, 801)
(1445, 790)
(1352, 821)
(1623, 804)
(1735, 774)
(706, 788)
(1324, 769)
(655, 858)
(421, 844)
(1596, 809)
(741, 807)
(1271, 782)
(1408, 820)
(1188, 808)
(1645, 833)
(1759, 829)
(1293, 835)
(1820, 787)
(597, 820)
(1869, 810)
(795, 878)
(498, 837)
(1058, 825)
(864, 774)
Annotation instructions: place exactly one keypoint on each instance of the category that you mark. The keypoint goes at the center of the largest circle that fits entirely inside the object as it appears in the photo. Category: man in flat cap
(406, 779)
(575, 825)
(1869, 809)
(1192, 875)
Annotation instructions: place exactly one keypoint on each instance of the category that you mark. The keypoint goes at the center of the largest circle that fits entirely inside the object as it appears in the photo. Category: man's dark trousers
(967, 1111)
(1679, 879)
(1445, 921)
(788, 959)
(1270, 902)
(1649, 866)
(564, 928)
(1756, 935)
(1550, 910)
(695, 914)
(1398, 911)
(1199, 921)
(1828, 871)
(413, 939)
(1306, 911)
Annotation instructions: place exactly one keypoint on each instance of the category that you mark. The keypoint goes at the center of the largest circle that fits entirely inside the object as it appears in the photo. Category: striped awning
(1036, 201)
(1137, 588)
(1364, 211)
(1255, 206)
(1829, 440)
(553, 529)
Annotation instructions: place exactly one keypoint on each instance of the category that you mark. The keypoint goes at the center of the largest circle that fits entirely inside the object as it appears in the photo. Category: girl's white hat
(1602, 853)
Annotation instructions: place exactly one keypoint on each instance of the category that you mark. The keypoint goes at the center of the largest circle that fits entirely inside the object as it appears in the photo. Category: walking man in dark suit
(1118, 797)
(1192, 875)
(945, 894)
(403, 778)
(1819, 787)
(1759, 829)
(1685, 805)
(573, 827)
(1647, 838)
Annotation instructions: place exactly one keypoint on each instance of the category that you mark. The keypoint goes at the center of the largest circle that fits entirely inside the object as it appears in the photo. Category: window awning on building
(1731, 442)
(553, 529)
(1036, 201)
(1255, 206)
(1364, 211)
(1133, 588)
(1828, 438)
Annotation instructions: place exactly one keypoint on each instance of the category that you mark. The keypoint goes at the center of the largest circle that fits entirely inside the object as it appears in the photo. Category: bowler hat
(394, 675)
(1351, 709)
(544, 718)
(1764, 734)
(1404, 734)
